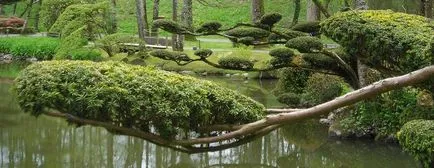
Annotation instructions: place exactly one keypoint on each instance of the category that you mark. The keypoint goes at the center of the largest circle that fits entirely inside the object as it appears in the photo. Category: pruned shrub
(292, 80)
(246, 40)
(284, 53)
(308, 27)
(383, 38)
(417, 138)
(169, 55)
(203, 53)
(287, 35)
(85, 54)
(169, 26)
(240, 32)
(321, 88)
(236, 63)
(209, 27)
(270, 19)
(305, 44)
(130, 96)
(290, 99)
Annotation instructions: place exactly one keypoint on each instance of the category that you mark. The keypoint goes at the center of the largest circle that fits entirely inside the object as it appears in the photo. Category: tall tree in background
(297, 4)
(177, 43)
(428, 8)
(141, 22)
(313, 13)
(257, 10)
(113, 20)
(38, 16)
(29, 12)
(187, 14)
(155, 16)
(361, 68)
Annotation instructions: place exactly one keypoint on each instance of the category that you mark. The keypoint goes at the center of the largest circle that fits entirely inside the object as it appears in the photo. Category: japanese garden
(217, 83)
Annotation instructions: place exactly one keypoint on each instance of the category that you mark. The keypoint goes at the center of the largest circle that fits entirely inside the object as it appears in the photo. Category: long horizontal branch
(345, 100)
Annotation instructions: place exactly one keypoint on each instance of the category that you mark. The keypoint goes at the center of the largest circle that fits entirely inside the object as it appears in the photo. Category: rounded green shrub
(203, 53)
(169, 55)
(236, 63)
(320, 61)
(290, 99)
(417, 138)
(397, 41)
(305, 44)
(240, 32)
(321, 88)
(292, 80)
(246, 40)
(270, 19)
(209, 27)
(284, 53)
(130, 96)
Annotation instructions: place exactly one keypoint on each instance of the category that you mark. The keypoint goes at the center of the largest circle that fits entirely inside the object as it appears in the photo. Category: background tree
(177, 39)
(142, 24)
(257, 10)
(155, 16)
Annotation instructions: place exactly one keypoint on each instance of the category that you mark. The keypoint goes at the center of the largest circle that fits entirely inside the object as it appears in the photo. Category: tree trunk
(177, 43)
(15, 9)
(113, 19)
(313, 13)
(257, 10)
(360, 5)
(155, 16)
(37, 16)
(187, 14)
(140, 18)
(428, 8)
(29, 12)
(297, 9)
(1, 9)
(145, 18)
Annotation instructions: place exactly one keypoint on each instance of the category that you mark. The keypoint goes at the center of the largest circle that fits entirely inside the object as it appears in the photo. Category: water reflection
(26, 141)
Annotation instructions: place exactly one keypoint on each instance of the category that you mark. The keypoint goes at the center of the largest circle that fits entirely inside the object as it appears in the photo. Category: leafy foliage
(240, 32)
(75, 41)
(168, 55)
(397, 41)
(384, 115)
(42, 48)
(291, 99)
(270, 19)
(209, 27)
(305, 44)
(85, 54)
(132, 96)
(321, 88)
(51, 10)
(112, 43)
(417, 137)
(282, 53)
(203, 53)
(308, 27)
(236, 63)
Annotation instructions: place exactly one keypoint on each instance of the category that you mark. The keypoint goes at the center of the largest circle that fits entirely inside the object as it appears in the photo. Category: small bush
(256, 33)
(246, 40)
(203, 53)
(292, 80)
(85, 54)
(417, 138)
(130, 96)
(290, 99)
(168, 55)
(270, 19)
(305, 44)
(42, 48)
(321, 88)
(282, 53)
(209, 27)
(236, 63)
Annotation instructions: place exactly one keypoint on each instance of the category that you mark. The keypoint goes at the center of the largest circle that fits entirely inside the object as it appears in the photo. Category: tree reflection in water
(26, 141)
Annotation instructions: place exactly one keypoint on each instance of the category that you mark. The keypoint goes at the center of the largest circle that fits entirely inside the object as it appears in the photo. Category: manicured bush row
(132, 96)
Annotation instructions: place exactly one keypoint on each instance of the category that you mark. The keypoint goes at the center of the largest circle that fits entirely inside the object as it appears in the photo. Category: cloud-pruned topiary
(169, 26)
(305, 44)
(169, 55)
(284, 53)
(270, 19)
(417, 138)
(240, 32)
(397, 41)
(308, 27)
(236, 63)
(130, 96)
(209, 27)
(203, 53)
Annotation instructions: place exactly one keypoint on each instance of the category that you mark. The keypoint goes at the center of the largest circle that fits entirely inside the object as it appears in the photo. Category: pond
(26, 141)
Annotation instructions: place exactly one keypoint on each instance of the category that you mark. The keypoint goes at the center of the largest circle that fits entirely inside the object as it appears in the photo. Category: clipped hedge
(397, 41)
(236, 63)
(42, 48)
(240, 32)
(417, 138)
(132, 96)
(305, 44)
(209, 27)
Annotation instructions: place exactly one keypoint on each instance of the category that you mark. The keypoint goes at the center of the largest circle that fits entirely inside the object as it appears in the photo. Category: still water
(26, 141)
